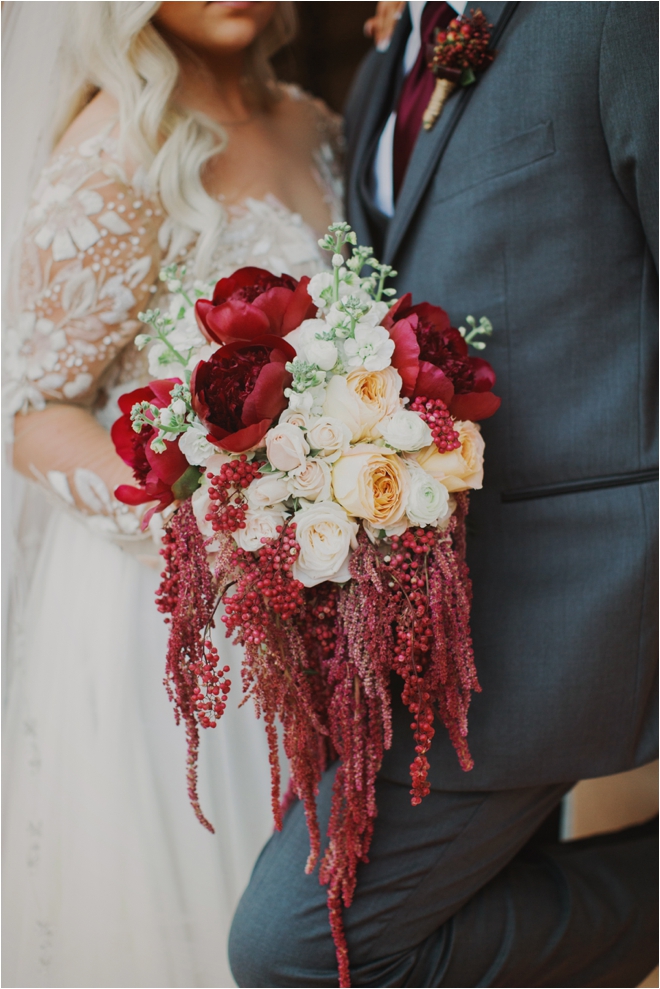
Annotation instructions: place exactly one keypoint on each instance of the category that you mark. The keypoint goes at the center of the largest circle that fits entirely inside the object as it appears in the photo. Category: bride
(174, 144)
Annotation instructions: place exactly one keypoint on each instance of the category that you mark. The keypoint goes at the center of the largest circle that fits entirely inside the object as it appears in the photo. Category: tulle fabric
(110, 880)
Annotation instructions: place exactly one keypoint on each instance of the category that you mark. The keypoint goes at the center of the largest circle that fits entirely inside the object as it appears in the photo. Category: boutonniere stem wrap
(457, 55)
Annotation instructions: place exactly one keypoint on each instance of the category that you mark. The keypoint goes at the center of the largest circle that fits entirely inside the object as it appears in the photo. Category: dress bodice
(87, 263)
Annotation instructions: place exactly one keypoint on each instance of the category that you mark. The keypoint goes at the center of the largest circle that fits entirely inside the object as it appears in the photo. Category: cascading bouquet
(317, 439)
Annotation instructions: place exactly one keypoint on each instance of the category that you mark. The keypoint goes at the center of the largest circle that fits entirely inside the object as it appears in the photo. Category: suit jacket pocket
(517, 152)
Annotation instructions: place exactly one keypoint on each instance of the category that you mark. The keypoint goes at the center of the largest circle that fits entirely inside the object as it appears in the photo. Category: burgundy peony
(158, 474)
(253, 303)
(433, 360)
(239, 392)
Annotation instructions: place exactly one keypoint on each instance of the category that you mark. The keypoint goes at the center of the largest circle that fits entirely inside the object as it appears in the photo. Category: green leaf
(187, 484)
(468, 77)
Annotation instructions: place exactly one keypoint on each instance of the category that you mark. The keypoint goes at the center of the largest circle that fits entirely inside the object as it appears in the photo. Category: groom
(533, 200)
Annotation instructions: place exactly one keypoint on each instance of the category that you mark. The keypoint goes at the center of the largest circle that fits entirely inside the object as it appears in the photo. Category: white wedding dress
(109, 880)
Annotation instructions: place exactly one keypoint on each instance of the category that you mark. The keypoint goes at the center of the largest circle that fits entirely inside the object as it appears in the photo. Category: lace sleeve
(86, 262)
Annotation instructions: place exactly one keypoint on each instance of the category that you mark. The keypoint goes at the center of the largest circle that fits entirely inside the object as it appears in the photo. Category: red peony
(156, 473)
(252, 303)
(433, 360)
(239, 392)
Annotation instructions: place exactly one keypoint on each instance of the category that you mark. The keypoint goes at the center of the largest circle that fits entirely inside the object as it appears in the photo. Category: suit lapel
(377, 103)
(431, 145)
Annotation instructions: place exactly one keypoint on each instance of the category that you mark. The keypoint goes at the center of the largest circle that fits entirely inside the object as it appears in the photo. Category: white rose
(296, 418)
(325, 534)
(323, 353)
(286, 446)
(428, 499)
(331, 437)
(405, 431)
(194, 445)
(312, 481)
(260, 527)
(459, 469)
(267, 490)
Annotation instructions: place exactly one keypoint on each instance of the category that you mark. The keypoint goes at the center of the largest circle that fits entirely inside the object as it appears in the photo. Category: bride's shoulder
(308, 115)
(100, 117)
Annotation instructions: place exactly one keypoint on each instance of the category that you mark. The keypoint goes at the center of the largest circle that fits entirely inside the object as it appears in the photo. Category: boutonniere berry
(457, 55)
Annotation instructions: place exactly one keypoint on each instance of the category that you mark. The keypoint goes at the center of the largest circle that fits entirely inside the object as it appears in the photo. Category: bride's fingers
(381, 26)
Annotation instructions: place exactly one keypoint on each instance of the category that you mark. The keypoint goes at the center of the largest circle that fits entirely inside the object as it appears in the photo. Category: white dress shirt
(383, 175)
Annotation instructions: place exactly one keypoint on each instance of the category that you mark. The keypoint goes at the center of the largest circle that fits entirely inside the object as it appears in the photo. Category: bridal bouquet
(317, 441)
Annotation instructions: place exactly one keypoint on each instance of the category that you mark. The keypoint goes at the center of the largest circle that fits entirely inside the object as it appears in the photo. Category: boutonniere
(458, 53)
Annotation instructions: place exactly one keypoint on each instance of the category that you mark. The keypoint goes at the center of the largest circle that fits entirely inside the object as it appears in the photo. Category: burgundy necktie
(416, 93)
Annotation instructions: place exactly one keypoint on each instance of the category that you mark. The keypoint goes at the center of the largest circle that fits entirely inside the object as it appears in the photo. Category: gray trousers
(456, 894)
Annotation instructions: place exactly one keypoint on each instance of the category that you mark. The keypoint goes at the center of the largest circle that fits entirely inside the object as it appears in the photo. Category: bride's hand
(381, 26)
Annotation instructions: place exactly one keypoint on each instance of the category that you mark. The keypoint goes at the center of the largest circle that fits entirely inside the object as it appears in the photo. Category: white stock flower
(286, 446)
(308, 402)
(312, 481)
(194, 445)
(267, 490)
(330, 436)
(260, 527)
(304, 339)
(325, 534)
(428, 499)
(370, 348)
(405, 431)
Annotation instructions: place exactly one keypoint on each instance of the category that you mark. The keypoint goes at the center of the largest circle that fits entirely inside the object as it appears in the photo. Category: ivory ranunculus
(459, 469)
(331, 437)
(428, 501)
(286, 446)
(406, 431)
(267, 490)
(326, 535)
(260, 526)
(372, 485)
(312, 482)
(362, 399)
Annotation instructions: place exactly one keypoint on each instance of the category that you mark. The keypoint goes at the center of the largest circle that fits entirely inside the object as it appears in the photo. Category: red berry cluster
(464, 44)
(414, 638)
(167, 595)
(265, 587)
(227, 513)
(212, 689)
(436, 416)
(320, 634)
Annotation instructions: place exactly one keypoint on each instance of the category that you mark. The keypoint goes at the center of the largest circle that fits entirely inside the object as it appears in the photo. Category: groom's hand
(381, 26)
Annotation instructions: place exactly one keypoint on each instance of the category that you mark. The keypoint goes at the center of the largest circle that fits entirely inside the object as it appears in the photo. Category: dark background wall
(328, 49)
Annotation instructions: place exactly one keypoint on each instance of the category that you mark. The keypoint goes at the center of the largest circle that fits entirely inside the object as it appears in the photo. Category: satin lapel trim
(429, 148)
(376, 99)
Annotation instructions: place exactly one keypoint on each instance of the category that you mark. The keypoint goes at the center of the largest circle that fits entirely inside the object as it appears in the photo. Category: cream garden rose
(260, 525)
(372, 485)
(362, 399)
(312, 482)
(461, 469)
(286, 446)
(326, 535)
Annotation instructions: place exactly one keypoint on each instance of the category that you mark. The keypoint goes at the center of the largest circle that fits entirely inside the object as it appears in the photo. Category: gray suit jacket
(534, 201)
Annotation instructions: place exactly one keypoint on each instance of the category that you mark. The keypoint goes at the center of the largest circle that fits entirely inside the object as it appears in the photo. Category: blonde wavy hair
(116, 47)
